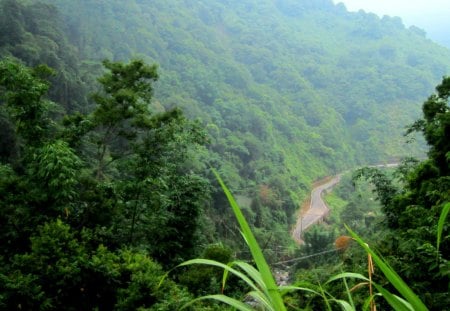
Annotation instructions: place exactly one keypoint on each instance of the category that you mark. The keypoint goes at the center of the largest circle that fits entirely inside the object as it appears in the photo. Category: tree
(31, 185)
(61, 272)
(86, 202)
(34, 33)
(11, 25)
(413, 211)
(435, 126)
(141, 157)
(22, 90)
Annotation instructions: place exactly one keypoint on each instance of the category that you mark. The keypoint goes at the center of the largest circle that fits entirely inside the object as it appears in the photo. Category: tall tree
(413, 211)
(140, 159)
(72, 218)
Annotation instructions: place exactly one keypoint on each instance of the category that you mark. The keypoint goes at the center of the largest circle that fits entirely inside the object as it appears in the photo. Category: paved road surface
(317, 210)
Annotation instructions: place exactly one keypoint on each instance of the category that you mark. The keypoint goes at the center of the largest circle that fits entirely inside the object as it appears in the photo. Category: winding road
(317, 208)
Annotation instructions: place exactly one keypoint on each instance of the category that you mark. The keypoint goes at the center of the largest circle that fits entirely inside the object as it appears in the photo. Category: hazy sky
(431, 15)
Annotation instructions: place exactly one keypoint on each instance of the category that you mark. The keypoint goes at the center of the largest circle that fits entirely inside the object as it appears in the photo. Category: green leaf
(396, 302)
(349, 294)
(441, 224)
(263, 267)
(324, 296)
(347, 275)
(367, 302)
(262, 299)
(228, 268)
(288, 288)
(251, 272)
(392, 276)
(222, 298)
(344, 305)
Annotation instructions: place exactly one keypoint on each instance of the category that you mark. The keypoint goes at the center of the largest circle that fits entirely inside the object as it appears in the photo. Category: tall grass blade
(344, 276)
(392, 276)
(347, 275)
(262, 300)
(214, 263)
(349, 294)
(289, 288)
(344, 305)
(251, 272)
(368, 302)
(222, 298)
(396, 302)
(263, 267)
(325, 298)
(441, 224)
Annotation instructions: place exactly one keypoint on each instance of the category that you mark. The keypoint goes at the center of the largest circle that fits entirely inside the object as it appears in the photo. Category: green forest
(143, 144)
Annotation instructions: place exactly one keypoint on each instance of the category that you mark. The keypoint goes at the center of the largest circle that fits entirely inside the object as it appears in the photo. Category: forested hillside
(288, 90)
(279, 84)
(106, 154)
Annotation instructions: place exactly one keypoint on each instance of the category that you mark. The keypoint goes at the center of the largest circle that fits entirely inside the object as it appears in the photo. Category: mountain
(307, 77)
(106, 185)
(289, 91)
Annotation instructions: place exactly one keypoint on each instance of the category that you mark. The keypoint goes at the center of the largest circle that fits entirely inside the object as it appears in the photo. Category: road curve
(317, 209)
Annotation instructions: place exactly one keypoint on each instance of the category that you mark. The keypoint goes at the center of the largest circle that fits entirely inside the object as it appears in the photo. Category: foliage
(317, 240)
(60, 272)
(263, 287)
(395, 280)
(34, 33)
(283, 103)
(22, 93)
(270, 291)
(440, 228)
(78, 226)
(414, 204)
(268, 296)
(105, 193)
(205, 279)
(416, 214)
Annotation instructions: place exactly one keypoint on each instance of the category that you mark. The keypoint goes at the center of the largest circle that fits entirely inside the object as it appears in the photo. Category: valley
(128, 127)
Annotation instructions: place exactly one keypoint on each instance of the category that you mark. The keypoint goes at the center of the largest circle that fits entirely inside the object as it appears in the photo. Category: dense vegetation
(92, 212)
(412, 211)
(282, 100)
(104, 183)
(403, 224)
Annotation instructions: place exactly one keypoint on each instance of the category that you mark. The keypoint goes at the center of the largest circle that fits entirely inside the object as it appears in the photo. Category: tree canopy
(87, 199)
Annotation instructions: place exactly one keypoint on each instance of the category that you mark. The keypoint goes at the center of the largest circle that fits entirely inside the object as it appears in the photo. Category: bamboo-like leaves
(263, 268)
(344, 305)
(227, 268)
(347, 275)
(264, 289)
(268, 295)
(396, 302)
(251, 271)
(394, 279)
(222, 298)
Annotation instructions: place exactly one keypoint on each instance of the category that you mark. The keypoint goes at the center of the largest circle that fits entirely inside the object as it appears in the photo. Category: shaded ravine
(317, 208)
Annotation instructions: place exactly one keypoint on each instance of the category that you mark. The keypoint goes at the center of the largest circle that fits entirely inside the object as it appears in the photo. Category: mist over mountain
(304, 77)
(118, 117)
(288, 90)
(439, 34)
(431, 16)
